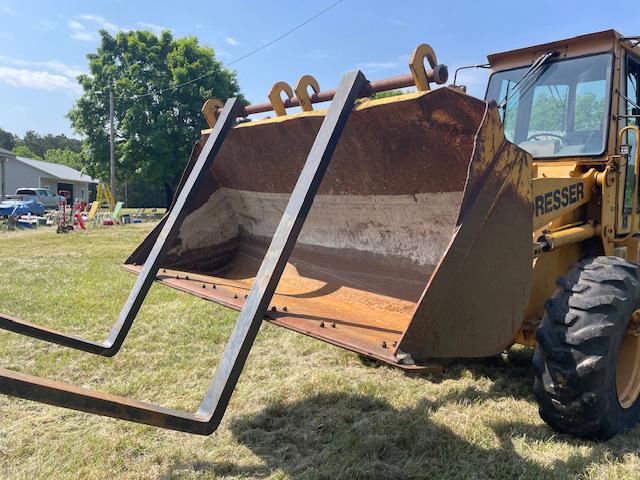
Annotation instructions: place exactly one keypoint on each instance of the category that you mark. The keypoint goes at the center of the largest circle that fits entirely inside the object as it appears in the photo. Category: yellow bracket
(416, 65)
(302, 91)
(210, 109)
(276, 99)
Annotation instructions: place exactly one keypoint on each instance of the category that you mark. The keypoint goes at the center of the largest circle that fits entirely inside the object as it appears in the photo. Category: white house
(20, 172)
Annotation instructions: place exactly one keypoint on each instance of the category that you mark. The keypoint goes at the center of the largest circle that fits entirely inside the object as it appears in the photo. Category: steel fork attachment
(212, 408)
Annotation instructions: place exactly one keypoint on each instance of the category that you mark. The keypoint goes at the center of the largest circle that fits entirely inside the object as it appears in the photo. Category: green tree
(8, 140)
(388, 93)
(64, 157)
(155, 132)
(589, 111)
(39, 144)
(547, 113)
(24, 151)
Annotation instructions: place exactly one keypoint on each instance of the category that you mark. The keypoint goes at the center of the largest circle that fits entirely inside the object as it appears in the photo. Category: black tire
(578, 342)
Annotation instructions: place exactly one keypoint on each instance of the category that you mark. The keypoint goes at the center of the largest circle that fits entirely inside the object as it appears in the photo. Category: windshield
(561, 111)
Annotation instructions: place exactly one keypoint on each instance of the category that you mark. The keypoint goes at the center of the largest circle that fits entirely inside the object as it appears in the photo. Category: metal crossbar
(212, 408)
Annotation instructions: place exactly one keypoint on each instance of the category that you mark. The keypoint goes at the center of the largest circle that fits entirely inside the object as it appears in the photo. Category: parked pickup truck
(42, 195)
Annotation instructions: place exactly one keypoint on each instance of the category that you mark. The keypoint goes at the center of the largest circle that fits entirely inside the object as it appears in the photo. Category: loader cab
(571, 108)
(558, 110)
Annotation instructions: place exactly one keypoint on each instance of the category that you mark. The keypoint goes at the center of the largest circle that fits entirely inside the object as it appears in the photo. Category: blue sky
(43, 44)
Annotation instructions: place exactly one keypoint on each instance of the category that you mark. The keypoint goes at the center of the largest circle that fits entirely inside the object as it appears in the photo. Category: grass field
(302, 409)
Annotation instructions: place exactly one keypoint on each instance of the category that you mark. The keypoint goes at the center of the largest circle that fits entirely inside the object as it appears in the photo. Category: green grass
(132, 211)
(302, 409)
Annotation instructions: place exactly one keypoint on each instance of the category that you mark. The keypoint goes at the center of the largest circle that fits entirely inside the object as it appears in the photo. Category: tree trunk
(168, 195)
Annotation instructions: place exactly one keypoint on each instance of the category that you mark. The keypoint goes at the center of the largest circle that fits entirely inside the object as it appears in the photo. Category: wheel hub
(628, 363)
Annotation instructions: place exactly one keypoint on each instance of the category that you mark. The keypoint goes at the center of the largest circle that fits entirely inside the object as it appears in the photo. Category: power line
(239, 59)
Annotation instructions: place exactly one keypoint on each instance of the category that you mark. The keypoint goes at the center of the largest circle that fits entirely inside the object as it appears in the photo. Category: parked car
(48, 199)
(16, 205)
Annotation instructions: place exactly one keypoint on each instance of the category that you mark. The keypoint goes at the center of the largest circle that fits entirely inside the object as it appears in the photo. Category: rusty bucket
(418, 243)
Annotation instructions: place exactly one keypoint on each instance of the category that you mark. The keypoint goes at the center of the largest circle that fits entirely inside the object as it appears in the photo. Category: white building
(20, 172)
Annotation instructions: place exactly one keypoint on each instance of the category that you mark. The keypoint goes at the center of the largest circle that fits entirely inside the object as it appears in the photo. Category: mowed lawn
(302, 409)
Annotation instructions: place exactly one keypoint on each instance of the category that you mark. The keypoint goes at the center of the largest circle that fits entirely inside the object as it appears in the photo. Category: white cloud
(83, 36)
(8, 11)
(198, 26)
(75, 25)
(39, 80)
(55, 65)
(42, 25)
(232, 41)
(101, 22)
(85, 30)
(157, 29)
(47, 75)
(80, 32)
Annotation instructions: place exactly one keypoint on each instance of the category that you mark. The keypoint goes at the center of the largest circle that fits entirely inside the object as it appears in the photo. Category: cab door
(629, 115)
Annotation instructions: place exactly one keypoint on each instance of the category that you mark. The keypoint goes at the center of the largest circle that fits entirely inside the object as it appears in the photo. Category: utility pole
(112, 156)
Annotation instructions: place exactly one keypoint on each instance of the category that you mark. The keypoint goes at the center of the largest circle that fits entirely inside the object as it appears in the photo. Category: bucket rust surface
(406, 177)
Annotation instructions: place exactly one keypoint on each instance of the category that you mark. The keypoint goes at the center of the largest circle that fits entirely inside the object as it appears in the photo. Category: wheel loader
(413, 229)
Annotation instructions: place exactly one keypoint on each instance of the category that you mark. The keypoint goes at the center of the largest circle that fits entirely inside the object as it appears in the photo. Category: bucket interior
(383, 217)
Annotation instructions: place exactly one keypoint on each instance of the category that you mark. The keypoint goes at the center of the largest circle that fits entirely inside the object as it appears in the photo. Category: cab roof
(605, 41)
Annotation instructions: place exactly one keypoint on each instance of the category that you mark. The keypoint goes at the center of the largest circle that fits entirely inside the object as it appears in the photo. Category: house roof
(6, 153)
(56, 170)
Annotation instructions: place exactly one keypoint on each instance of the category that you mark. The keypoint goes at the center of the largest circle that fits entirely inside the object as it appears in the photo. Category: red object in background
(79, 221)
(62, 212)
(80, 205)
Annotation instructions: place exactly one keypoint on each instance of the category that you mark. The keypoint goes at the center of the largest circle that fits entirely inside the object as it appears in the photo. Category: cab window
(560, 110)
